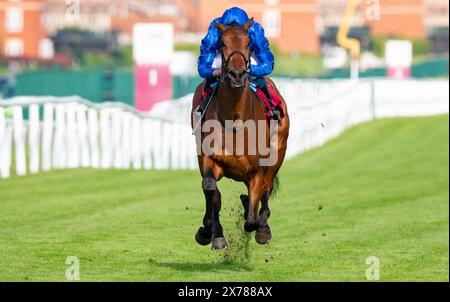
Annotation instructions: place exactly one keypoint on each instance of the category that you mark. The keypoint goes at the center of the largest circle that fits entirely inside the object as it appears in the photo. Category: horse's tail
(276, 185)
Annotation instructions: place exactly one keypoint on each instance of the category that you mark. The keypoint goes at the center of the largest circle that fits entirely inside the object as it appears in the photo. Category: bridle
(225, 61)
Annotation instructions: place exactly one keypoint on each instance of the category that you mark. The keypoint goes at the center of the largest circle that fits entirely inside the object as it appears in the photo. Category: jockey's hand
(217, 72)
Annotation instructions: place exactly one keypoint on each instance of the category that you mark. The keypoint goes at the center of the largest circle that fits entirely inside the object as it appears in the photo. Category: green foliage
(88, 49)
(420, 45)
(378, 43)
(125, 56)
(192, 47)
(301, 65)
(275, 49)
(3, 69)
(91, 60)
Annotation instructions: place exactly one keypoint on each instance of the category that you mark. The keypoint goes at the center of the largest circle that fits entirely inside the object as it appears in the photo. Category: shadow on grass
(201, 267)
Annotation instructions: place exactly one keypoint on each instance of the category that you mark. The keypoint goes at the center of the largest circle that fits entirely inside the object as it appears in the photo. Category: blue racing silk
(259, 45)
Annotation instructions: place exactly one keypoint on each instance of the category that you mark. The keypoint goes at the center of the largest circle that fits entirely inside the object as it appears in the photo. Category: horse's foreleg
(244, 201)
(255, 194)
(263, 234)
(212, 229)
(213, 198)
(204, 233)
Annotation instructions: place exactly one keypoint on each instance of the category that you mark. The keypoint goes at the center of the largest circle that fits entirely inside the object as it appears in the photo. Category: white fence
(71, 132)
(321, 110)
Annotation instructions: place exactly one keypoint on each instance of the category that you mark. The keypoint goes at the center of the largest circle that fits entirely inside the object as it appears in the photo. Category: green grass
(381, 189)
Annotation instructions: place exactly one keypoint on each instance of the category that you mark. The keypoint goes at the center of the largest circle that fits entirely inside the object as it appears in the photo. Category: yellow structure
(343, 40)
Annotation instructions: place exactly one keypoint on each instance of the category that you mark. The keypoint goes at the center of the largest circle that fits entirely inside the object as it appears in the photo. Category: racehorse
(235, 101)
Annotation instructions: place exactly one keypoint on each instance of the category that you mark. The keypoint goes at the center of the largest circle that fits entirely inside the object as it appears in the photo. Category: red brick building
(293, 25)
(120, 15)
(21, 32)
(399, 17)
(296, 25)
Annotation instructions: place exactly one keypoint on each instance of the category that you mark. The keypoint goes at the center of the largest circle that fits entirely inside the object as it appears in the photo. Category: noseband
(225, 61)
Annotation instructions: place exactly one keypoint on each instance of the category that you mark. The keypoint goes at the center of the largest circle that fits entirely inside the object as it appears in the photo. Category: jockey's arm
(208, 51)
(261, 49)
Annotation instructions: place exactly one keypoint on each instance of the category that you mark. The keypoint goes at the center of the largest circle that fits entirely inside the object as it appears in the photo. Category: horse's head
(235, 53)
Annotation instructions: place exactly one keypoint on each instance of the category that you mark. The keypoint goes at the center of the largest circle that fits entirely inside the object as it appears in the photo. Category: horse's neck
(233, 104)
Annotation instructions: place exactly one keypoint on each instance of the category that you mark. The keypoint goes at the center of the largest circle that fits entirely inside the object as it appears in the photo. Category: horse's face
(235, 53)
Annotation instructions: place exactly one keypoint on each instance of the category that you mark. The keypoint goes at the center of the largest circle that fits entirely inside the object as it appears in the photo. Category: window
(14, 20)
(271, 20)
(14, 47)
(46, 49)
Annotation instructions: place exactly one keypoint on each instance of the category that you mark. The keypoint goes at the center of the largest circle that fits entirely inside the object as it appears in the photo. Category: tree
(87, 47)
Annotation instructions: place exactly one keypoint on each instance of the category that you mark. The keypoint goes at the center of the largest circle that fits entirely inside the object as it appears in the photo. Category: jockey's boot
(273, 112)
(207, 90)
(203, 103)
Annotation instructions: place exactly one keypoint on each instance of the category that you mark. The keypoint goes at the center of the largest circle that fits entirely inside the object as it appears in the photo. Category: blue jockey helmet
(234, 16)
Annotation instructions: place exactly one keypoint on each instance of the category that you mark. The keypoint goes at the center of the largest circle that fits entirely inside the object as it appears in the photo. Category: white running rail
(70, 132)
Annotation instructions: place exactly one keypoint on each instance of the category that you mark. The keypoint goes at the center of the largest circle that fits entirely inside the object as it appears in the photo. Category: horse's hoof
(219, 243)
(250, 227)
(202, 237)
(263, 236)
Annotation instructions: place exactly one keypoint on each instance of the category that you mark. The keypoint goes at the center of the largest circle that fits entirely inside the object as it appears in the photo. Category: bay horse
(234, 101)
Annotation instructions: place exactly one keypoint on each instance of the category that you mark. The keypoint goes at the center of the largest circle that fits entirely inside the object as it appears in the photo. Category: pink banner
(398, 72)
(153, 84)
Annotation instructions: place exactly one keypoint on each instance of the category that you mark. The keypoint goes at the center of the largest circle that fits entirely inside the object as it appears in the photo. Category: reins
(225, 61)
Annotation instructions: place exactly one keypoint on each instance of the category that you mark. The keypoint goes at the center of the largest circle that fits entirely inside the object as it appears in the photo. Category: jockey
(259, 48)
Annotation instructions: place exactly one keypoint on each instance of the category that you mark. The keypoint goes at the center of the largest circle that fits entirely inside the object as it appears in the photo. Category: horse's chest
(237, 166)
(235, 153)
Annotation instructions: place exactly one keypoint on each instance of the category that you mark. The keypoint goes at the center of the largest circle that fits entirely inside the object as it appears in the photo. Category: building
(27, 24)
(119, 15)
(298, 25)
(22, 34)
(293, 25)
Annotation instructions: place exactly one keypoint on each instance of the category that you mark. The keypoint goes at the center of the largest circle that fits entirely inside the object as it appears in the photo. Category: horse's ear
(221, 27)
(248, 24)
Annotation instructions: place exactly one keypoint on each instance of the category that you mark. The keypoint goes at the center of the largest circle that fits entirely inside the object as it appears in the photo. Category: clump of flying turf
(239, 250)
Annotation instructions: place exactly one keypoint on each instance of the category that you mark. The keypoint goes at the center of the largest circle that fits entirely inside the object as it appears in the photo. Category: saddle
(209, 92)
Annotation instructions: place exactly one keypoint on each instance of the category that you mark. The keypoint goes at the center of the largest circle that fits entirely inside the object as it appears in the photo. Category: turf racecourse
(380, 189)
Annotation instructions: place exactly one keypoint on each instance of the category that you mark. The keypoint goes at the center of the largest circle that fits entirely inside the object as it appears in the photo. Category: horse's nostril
(238, 75)
(241, 75)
